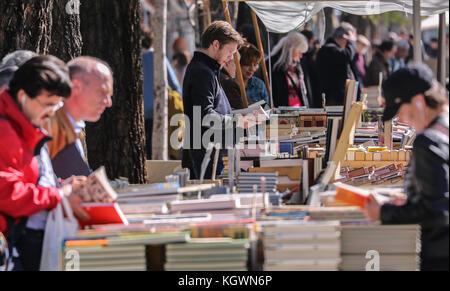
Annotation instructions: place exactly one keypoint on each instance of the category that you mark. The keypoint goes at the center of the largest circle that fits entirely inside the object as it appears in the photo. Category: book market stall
(277, 207)
(291, 197)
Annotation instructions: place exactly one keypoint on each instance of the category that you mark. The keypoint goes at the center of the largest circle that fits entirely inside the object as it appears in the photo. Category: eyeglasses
(48, 107)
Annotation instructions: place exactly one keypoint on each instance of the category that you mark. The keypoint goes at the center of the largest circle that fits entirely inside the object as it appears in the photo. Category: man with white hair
(92, 87)
(398, 61)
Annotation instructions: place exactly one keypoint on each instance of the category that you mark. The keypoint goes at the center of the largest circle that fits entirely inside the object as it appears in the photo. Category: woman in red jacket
(35, 93)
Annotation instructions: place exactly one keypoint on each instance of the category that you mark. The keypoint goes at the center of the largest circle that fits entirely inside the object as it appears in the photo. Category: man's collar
(212, 63)
(77, 126)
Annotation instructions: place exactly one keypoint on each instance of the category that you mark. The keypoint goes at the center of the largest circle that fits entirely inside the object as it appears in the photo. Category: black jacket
(312, 79)
(335, 67)
(202, 89)
(427, 187)
(203, 93)
(378, 64)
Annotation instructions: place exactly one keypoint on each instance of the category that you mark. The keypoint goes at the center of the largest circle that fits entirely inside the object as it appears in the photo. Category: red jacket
(19, 168)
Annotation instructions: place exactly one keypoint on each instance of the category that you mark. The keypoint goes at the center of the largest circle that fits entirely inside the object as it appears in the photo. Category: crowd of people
(303, 69)
(44, 104)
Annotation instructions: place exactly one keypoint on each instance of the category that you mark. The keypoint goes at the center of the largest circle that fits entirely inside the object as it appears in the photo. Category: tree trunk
(66, 42)
(111, 32)
(25, 26)
(161, 102)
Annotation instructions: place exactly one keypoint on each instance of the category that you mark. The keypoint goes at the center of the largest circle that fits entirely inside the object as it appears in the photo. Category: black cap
(340, 31)
(404, 84)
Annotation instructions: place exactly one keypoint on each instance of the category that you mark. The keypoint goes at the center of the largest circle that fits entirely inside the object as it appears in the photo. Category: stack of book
(125, 252)
(208, 254)
(398, 247)
(301, 246)
(218, 206)
(235, 229)
(139, 201)
(333, 111)
(390, 174)
(343, 213)
(148, 199)
(246, 181)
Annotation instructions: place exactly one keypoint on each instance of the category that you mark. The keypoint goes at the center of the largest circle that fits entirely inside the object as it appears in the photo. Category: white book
(255, 110)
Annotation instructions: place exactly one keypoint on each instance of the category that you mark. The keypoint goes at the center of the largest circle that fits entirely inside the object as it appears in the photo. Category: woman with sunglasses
(27, 182)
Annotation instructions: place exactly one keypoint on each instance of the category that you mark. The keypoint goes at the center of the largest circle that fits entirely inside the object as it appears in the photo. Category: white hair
(17, 58)
(11, 63)
(293, 40)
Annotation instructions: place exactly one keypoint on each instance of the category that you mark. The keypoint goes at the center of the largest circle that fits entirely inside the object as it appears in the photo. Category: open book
(255, 110)
(96, 188)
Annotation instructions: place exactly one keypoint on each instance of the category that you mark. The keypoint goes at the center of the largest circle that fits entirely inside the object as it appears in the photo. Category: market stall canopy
(284, 16)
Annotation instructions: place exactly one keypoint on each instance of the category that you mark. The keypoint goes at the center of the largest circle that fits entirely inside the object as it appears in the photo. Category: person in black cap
(334, 63)
(418, 99)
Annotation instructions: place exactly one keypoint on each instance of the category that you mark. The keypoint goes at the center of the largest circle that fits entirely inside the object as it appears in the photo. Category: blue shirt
(397, 64)
(77, 127)
(256, 91)
(47, 179)
(148, 70)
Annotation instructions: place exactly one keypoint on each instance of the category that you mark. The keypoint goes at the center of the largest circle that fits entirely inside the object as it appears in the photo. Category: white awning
(284, 16)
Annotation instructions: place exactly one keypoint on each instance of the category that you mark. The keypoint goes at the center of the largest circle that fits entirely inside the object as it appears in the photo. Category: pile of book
(398, 246)
(208, 254)
(343, 213)
(102, 251)
(377, 154)
(300, 246)
(246, 181)
(390, 174)
(145, 199)
(139, 201)
(235, 229)
(218, 204)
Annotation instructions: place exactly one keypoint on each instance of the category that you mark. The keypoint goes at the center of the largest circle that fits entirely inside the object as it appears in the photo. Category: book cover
(103, 213)
(355, 196)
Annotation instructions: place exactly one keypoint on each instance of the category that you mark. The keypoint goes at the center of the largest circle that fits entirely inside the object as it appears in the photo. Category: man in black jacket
(419, 100)
(203, 96)
(334, 62)
(381, 63)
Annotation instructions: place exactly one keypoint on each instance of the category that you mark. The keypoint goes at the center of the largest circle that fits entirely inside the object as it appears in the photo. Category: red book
(103, 213)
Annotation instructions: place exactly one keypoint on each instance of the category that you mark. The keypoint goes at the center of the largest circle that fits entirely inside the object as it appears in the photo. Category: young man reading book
(203, 95)
(92, 87)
